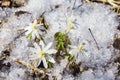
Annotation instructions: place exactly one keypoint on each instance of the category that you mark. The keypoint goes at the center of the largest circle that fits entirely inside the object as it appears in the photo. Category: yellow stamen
(42, 54)
(70, 21)
(80, 47)
(69, 27)
(34, 27)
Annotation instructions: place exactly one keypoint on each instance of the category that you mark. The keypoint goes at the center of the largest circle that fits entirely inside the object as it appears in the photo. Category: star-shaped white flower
(42, 53)
(33, 30)
(80, 48)
(76, 49)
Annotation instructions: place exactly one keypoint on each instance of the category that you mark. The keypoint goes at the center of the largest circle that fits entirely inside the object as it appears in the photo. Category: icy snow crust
(98, 18)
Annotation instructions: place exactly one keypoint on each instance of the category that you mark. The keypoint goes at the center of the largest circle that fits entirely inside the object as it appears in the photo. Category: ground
(59, 40)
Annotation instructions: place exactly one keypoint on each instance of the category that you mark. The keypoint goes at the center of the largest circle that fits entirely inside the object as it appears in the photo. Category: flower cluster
(67, 37)
(33, 30)
(42, 52)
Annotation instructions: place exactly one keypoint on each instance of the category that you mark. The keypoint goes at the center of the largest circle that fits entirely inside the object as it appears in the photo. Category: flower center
(42, 54)
(70, 21)
(34, 27)
(80, 47)
(69, 27)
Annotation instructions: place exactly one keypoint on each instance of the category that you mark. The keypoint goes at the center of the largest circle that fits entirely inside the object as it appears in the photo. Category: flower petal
(33, 57)
(51, 59)
(71, 46)
(73, 52)
(51, 51)
(33, 35)
(35, 22)
(47, 47)
(38, 63)
(44, 63)
(27, 28)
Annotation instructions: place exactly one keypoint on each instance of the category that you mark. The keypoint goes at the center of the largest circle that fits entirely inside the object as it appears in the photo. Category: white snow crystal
(36, 7)
(17, 74)
(87, 75)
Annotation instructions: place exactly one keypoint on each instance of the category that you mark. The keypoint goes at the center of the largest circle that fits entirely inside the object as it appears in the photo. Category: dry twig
(115, 4)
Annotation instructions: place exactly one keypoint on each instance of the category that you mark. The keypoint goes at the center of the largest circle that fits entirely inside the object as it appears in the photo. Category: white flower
(33, 30)
(80, 51)
(42, 53)
(70, 23)
(76, 49)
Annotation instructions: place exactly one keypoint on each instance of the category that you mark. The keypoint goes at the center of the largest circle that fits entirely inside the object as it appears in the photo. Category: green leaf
(62, 40)
(69, 56)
